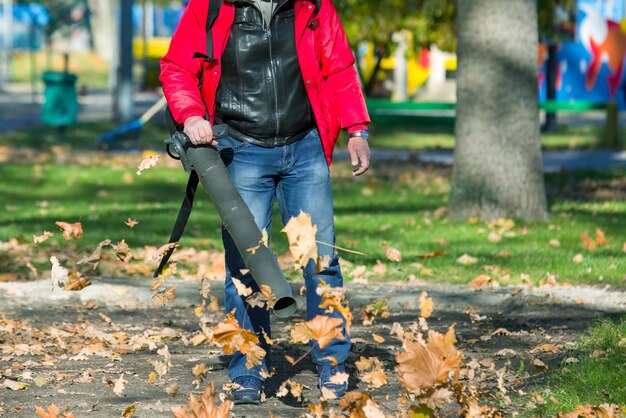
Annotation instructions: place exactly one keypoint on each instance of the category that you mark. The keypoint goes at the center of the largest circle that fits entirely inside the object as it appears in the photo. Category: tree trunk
(497, 158)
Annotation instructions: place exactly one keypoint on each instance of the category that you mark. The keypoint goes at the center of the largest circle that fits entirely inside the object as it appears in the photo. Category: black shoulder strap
(214, 10)
(318, 6)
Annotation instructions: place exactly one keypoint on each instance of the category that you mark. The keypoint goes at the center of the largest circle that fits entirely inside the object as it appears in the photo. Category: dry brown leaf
(146, 163)
(242, 289)
(324, 329)
(301, 235)
(162, 250)
(475, 318)
(578, 258)
(587, 411)
(122, 251)
(76, 282)
(466, 259)
(119, 387)
(375, 309)
(375, 378)
(129, 411)
(422, 366)
(167, 296)
(392, 254)
(38, 239)
(353, 404)
(95, 257)
(439, 398)
(378, 338)
(231, 337)
(539, 364)
(68, 229)
(431, 254)
(333, 300)
(300, 333)
(545, 348)
(52, 411)
(425, 305)
(480, 281)
(131, 223)
(172, 389)
(203, 406)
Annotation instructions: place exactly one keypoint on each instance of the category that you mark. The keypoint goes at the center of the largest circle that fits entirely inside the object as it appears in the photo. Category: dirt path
(66, 365)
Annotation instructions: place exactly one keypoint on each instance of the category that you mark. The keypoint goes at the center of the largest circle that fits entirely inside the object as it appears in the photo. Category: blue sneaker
(249, 391)
(327, 371)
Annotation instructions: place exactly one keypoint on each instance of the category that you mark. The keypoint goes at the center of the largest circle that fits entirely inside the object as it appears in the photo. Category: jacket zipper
(269, 38)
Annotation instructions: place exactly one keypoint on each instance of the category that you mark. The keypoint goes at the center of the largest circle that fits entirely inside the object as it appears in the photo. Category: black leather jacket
(262, 95)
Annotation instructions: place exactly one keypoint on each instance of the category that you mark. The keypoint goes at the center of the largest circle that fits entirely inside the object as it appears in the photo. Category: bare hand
(199, 131)
(359, 151)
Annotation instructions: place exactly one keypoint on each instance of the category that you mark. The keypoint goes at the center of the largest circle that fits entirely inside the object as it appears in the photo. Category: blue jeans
(298, 176)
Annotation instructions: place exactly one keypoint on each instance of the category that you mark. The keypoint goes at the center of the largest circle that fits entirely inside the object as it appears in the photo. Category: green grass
(598, 377)
(393, 204)
(92, 70)
(83, 137)
(403, 133)
(401, 136)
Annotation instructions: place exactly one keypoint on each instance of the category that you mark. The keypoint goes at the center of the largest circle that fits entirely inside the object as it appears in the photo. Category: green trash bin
(60, 106)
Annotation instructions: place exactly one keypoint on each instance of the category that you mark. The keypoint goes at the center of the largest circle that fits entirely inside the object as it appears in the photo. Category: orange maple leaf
(425, 365)
(231, 337)
(203, 406)
(301, 235)
(324, 329)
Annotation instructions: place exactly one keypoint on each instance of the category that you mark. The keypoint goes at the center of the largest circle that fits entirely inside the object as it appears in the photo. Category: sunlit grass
(395, 204)
(597, 378)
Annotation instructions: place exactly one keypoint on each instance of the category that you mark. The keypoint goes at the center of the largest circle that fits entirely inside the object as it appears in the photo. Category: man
(282, 77)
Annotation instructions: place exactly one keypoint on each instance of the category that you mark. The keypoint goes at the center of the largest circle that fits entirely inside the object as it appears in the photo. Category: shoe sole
(247, 400)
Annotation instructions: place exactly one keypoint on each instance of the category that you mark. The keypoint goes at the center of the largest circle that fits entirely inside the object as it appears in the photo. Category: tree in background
(497, 158)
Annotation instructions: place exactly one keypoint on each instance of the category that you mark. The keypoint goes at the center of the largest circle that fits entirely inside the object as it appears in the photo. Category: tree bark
(498, 170)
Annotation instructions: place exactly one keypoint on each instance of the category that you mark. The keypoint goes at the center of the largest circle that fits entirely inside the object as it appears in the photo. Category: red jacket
(325, 58)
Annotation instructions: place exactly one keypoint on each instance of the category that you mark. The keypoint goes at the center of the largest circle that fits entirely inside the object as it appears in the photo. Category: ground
(522, 318)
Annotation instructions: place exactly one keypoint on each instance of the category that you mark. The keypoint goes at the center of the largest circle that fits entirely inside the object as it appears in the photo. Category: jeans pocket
(231, 144)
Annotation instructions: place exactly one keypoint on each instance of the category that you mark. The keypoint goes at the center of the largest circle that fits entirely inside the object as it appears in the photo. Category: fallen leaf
(392, 254)
(172, 389)
(38, 239)
(539, 364)
(431, 254)
(119, 387)
(466, 259)
(131, 222)
(475, 318)
(13, 385)
(59, 274)
(379, 339)
(578, 258)
(480, 281)
(203, 406)
(425, 305)
(68, 229)
(425, 365)
(129, 411)
(301, 235)
(555, 242)
(95, 257)
(242, 289)
(148, 162)
(76, 282)
(324, 329)
(439, 398)
(545, 348)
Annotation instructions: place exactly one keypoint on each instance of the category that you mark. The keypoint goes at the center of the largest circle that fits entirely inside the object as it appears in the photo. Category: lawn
(597, 376)
(397, 204)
